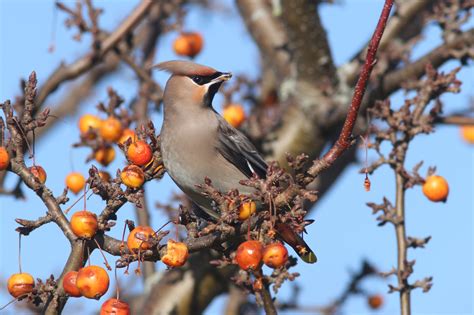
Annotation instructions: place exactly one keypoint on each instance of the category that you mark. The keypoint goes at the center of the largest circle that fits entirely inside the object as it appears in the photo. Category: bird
(198, 143)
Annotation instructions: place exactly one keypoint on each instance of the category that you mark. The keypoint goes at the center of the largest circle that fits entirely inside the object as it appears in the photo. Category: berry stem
(117, 282)
(103, 256)
(19, 252)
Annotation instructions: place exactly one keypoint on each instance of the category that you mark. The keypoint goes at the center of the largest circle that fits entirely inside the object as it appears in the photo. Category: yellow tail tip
(309, 258)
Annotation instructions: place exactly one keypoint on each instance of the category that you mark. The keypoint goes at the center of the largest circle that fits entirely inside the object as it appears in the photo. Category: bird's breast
(189, 155)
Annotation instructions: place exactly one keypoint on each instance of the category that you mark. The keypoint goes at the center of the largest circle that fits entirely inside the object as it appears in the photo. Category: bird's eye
(197, 79)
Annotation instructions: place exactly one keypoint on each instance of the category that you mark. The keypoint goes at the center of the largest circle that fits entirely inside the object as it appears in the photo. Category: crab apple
(188, 44)
(84, 224)
(234, 114)
(87, 122)
(92, 281)
(139, 153)
(176, 254)
(467, 132)
(436, 188)
(126, 134)
(114, 306)
(246, 210)
(375, 301)
(249, 255)
(20, 283)
(132, 176)
(4, 159)
(275, 255)
(75, 182)
(39, 173)
(105, 155)
(111, 129)
(69, 284)
(138, 238)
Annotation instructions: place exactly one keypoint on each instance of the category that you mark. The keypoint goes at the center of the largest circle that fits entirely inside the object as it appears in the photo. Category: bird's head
(191, 83)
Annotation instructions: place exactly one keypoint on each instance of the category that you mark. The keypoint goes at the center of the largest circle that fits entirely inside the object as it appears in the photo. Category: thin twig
(345, 138)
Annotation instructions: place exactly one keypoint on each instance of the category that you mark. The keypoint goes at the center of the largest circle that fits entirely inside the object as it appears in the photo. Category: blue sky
(344, 233)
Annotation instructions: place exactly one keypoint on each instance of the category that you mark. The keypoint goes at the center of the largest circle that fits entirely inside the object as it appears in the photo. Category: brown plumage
(196, 142)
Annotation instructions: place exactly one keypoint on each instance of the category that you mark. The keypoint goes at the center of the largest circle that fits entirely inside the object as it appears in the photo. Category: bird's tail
(296, 242)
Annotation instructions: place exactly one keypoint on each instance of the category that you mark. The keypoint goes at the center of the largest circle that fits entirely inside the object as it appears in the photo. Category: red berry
(20, 284)
(92, 281)
(139, 153)
(84, 224)
(4, 159)
(75, 182)
(436, 188)
(114, 307)
(275, 255)
(132, 176)
(69, 284)
(135, 243)
(375, 301)
(249, 255)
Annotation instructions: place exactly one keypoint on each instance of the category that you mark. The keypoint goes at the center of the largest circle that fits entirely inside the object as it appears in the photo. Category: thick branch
(307, 42)
(268, 33)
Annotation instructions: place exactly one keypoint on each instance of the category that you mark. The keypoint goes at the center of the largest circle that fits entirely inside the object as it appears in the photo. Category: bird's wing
(238, 150)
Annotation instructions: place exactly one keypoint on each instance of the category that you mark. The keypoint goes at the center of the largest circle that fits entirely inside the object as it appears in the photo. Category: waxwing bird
(196, 142)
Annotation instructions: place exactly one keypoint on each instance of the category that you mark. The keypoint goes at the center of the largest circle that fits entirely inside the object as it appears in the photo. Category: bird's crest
(186, 68)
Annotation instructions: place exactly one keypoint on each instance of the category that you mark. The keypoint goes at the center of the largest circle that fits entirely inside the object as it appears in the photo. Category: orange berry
(105, 176)
(114, 307)
(126, 134)
(139, 153)
(132, 176)
(249, 255)
(105, 155)
(275, 255)
(69, 284)
(375, 301)
(246, 210)
(188, 44)
(436, 188)
(20, 283)
(88, 122)
(75, 182)
(176, 254)
(92, 281)
(84, 224)
(39, 173)
(138, 238)
(111, 129)
(467, 133)
(234, 114)
(4, 159)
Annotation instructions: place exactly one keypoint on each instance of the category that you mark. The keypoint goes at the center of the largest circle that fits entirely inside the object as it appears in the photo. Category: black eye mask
(201, 79)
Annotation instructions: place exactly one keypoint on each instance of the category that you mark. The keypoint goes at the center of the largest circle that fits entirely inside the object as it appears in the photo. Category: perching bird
(196, 142)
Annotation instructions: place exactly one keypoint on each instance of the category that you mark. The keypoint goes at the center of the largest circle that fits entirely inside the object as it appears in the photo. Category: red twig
(345, 138)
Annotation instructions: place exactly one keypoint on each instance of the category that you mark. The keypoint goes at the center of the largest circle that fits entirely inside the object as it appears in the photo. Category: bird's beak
(224, 76)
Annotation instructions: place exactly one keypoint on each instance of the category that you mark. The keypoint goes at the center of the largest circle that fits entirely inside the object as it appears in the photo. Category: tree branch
(345, 137)
(65, 73)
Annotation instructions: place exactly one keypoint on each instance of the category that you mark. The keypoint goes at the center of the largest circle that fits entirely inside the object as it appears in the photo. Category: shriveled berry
(176, 254)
